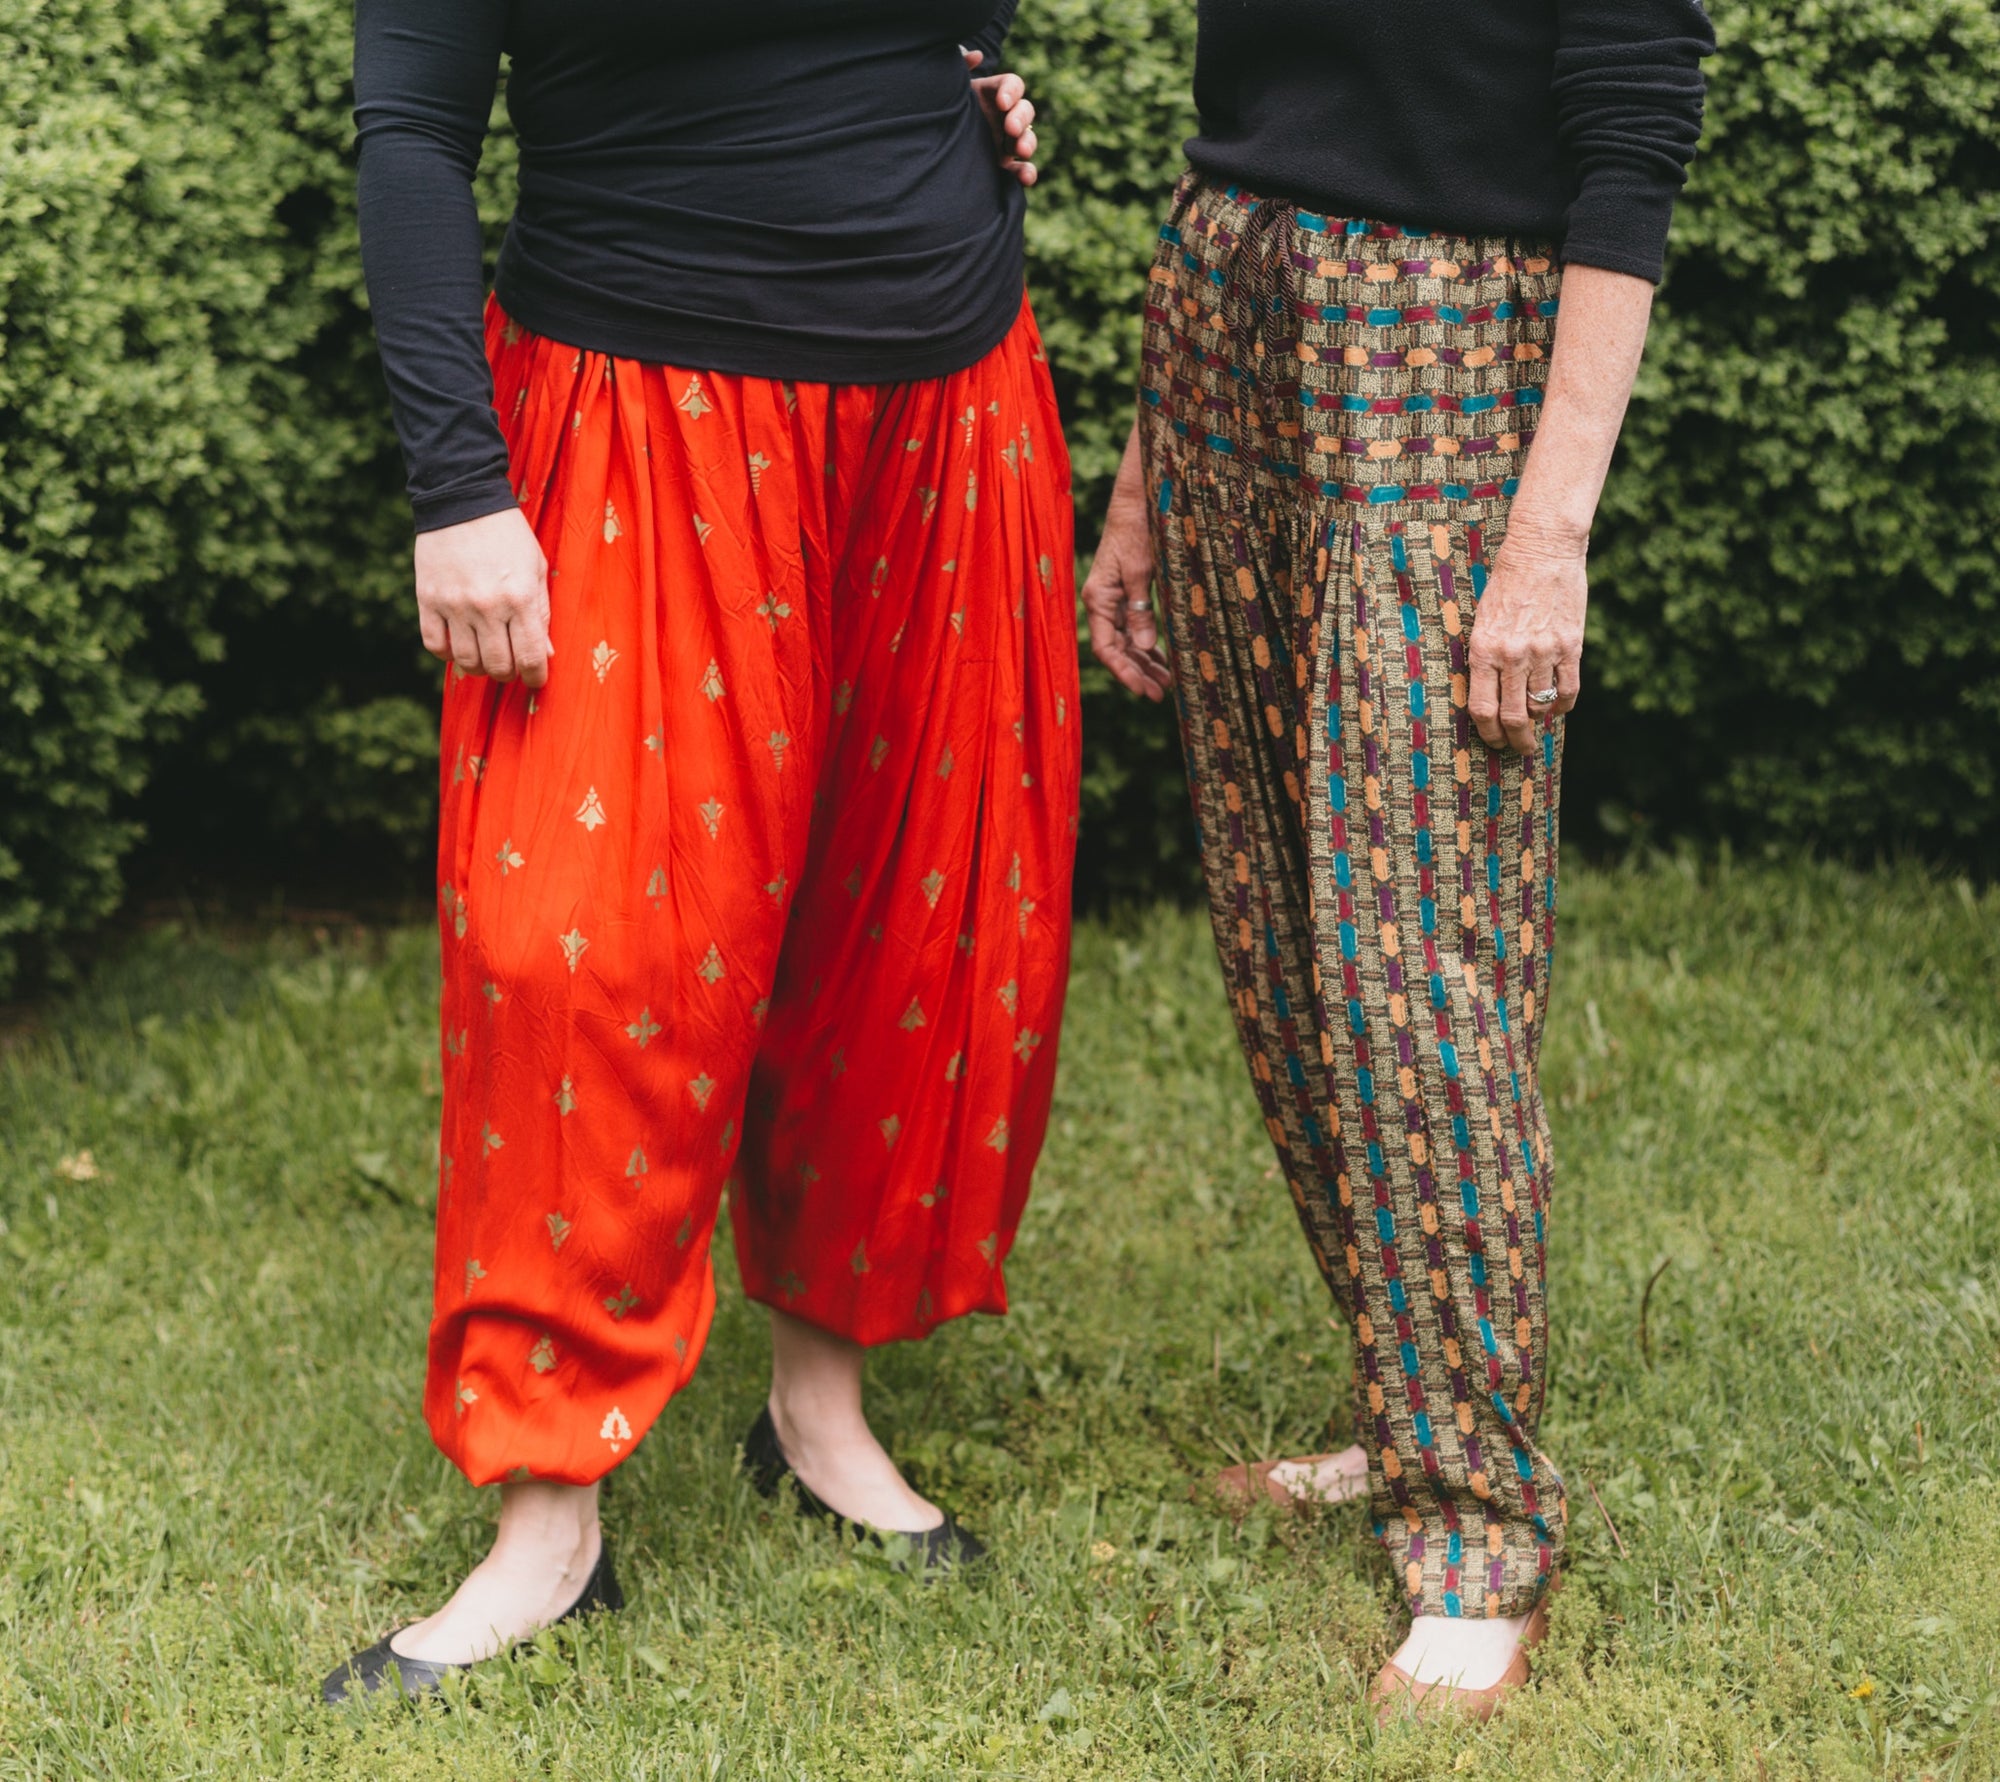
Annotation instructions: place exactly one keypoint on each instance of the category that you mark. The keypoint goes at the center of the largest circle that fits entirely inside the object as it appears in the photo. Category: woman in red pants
(744, 529)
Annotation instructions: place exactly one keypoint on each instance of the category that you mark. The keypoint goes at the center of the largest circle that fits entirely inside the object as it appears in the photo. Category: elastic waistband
(1375, 364)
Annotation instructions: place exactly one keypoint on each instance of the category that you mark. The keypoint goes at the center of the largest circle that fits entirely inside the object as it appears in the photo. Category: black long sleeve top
(796, 189)
(1551, 120)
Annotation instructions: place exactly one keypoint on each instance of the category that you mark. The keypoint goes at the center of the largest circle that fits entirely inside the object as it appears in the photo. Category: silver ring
(1138, 606)
(1547, 696)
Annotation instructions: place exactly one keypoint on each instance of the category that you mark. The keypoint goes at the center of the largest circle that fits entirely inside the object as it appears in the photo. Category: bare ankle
(548, 1522)
(806, 1421)
(546, 1546)
(815, 1384)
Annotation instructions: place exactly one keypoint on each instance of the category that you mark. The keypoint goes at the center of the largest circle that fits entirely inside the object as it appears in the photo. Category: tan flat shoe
(1241, 1487)
(1395, 1692)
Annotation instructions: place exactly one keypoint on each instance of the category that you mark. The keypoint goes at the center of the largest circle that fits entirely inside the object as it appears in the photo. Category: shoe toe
(947, 1545)
(381, 1666)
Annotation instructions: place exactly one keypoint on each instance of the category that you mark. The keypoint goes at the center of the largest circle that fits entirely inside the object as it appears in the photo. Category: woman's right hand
(1010, 116)
(483, 597)
(1117, 594)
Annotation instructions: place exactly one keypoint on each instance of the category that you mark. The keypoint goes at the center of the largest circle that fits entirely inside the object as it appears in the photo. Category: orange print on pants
(769, 885)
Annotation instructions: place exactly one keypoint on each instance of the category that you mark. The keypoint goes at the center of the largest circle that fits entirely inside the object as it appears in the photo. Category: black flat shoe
(930, 1548)
(382, 1667)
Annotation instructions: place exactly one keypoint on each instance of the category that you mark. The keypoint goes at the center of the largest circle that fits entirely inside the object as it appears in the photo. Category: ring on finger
(1547, 696)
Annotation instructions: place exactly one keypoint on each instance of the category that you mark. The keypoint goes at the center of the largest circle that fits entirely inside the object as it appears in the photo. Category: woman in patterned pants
(1331, 475)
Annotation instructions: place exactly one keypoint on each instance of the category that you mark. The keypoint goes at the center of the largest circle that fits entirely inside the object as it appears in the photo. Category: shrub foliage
(188, 427)
(203, 569)
(1799, 610)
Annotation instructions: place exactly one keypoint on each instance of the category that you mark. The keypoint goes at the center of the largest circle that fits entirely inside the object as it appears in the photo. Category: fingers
(514, 624)
(435, 633)
(465, 649)
(483, 597)
(1124, 635)
(1501, 710)
(479, 636)
(1527, 639)
(1483, 698)
(1143, 673)
(1142, 626)
(1117, 594)
(1142, 650)
(1142, 631)
(1498, 674)
(528, 634)
(530, 642)
(1000, 95)
(1142, 638)
(1108, 641)
(1568, 684)
(1514, 721)
(496, 648)
(1564, 679)
(1504, 670)
(1010, 116)
(1018, 122)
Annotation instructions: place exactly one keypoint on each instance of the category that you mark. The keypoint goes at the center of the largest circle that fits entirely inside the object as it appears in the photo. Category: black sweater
(1570, 121)
(775, 188)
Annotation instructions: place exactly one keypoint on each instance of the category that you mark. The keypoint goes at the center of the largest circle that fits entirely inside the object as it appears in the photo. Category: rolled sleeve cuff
(1621, 226)
(468, 501)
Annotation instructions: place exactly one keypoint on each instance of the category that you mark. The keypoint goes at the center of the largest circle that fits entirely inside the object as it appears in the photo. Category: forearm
(1117, 594)
(1130, 470)
(1600, 336)
(426, 283)
(424, 73)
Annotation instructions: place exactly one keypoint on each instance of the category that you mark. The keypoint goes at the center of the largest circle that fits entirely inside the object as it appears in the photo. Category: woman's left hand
(1527, 637)
(1010, 117)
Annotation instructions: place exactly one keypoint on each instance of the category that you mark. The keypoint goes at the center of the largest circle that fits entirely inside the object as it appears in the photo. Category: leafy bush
(187, 418)
(1110, 81)
(1798, 620)
(203, 570)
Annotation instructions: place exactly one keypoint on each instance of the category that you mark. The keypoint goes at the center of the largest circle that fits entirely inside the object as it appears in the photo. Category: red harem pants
(768, 886)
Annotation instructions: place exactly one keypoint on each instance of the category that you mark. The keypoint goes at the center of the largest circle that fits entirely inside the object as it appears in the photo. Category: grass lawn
(1779, 1094)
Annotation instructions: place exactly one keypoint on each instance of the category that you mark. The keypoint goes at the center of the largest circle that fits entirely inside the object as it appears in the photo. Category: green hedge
(1799, 564)
(187, 418)
(203, 557)
(1111, 80)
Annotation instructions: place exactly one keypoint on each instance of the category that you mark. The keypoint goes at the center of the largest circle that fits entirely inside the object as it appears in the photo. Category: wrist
(1128, 487)
(1541, 532)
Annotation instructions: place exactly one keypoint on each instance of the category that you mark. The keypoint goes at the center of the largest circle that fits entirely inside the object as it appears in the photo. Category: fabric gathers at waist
(1382, 363)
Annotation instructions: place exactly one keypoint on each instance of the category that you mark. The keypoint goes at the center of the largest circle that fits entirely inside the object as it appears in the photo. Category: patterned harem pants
(1333, 418)
(769, 885)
